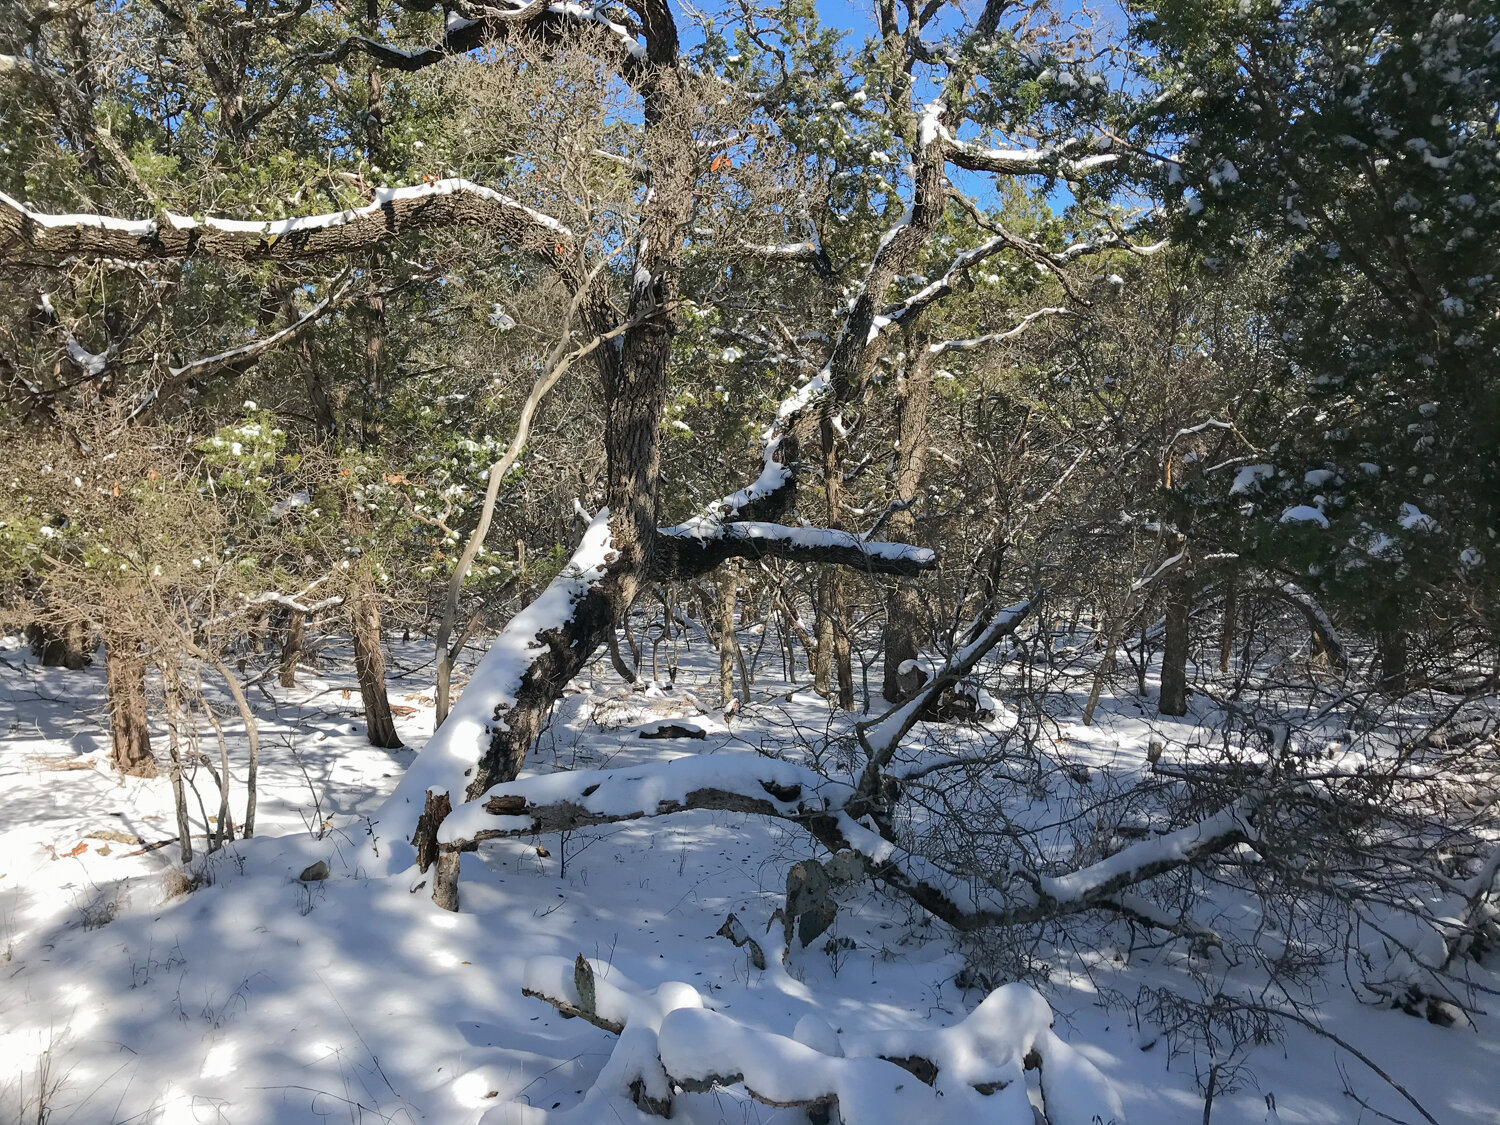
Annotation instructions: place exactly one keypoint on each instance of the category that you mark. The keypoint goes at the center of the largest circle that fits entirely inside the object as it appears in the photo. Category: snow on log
(691, 549)
(393, 213)
(972, 1072)
(451, 756)
(572, 799)
(601, 994)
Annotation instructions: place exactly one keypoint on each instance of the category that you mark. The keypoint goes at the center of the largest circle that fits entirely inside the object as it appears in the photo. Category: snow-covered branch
(548, 23)
(693, 549)
(395, 212)
(996, 337)
(1047, 160)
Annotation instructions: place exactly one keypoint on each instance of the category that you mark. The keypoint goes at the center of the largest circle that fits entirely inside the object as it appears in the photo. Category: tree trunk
(305, 351)
(291, 647)
(904, 634)
(125, 671)
(903, 625)
(1174, 657)
(729, 574)
(172, 705)
(842, 656)
(1391, 656)
(369, 667)
(1231, 613)
(823, 652)
(59, 648)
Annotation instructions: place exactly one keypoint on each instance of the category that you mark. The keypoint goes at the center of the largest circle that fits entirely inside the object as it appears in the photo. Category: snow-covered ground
(258, 998)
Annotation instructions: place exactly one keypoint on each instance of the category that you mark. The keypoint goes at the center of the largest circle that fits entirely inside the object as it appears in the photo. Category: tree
(1354, 143)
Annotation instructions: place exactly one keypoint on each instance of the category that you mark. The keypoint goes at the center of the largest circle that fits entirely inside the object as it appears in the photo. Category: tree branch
(394, 213)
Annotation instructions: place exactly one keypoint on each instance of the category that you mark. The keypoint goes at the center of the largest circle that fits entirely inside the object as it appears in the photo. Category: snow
(1317, 478)
(808, 538)
(930, 124)
(260, 998)
(1412, 518)
(805, 394)
(1249, 477)
(140, 228)
(708, 524)
(92, 363)
(1161, 850)
(620, 793)
(277, 228)
(384, 197)
(1304, 513)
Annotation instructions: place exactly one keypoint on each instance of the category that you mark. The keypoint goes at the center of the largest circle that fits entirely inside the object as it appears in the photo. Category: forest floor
(257, 999)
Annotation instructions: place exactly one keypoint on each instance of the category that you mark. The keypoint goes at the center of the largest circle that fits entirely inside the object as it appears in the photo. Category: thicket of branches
(1174, 330)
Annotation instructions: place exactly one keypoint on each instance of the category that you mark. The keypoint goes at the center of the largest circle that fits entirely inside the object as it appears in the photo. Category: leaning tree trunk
(1174, 657)
(904, 634)
(369, 667)
(125, 672)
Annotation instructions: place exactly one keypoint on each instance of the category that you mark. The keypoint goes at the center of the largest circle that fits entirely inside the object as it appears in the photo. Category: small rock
(316, 873)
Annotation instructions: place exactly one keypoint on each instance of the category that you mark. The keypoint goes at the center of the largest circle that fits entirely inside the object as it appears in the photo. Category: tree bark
(369, 667)
(306, 357)
(1231, 615)
(291, 647)
(1174, 657)
(1391, 656)
(125, 671)
(729, 575)
(904, 634)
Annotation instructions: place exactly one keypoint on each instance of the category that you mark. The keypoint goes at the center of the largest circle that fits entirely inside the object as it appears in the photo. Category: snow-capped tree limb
(1011, 333)
(768, 787)
(808, 251)
(394, 213)
(881, 736)
(681, 553)
(543, 22)
(1046, 160)
(294, 604)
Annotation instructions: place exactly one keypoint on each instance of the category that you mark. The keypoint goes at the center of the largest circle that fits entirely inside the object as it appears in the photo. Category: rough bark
(904, 635)
(1174, 657)
(291, 647)
(729, 575)
(125, 671)
(1231, 616)
(1391, 658)
(369, 667)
